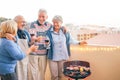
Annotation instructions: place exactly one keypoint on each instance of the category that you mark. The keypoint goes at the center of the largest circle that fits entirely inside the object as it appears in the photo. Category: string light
(107, 49)
(118, 46)
(102, 48)
(95, 48)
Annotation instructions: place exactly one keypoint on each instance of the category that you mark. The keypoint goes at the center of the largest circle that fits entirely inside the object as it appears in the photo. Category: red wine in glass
(46, 41)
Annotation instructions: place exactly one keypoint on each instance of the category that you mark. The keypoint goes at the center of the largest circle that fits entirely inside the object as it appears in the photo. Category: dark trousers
(10, 76)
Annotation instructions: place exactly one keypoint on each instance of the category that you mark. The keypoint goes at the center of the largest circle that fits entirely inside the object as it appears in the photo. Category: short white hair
(42, 10)
(57, 18)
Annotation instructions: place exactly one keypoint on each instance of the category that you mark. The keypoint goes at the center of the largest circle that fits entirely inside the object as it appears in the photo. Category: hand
(39, 38)
(10, 36)
(83, 43)
(65, 29)
(33, 48)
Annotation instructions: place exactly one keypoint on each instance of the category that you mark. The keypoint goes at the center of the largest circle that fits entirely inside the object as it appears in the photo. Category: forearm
(28, 51)
(73, 41)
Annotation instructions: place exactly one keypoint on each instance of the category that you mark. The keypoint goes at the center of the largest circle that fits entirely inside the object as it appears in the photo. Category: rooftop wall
(104, 61)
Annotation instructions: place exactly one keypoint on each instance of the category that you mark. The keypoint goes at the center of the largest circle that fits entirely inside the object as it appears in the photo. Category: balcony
(104, 61)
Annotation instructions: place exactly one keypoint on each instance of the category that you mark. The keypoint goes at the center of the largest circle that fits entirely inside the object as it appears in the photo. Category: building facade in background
(86, 32)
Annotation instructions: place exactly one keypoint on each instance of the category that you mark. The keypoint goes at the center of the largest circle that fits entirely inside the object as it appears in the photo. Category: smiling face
(57, 24)
(20, 21)
(42, 17)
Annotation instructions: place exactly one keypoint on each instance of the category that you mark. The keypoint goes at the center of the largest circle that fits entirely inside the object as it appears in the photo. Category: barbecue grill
(76, 69)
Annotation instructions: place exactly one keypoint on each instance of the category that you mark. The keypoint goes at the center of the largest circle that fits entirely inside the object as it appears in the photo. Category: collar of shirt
(45, 23)
(60, 31)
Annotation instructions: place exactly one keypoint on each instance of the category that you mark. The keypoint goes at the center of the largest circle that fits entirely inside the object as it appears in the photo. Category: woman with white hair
(59, 50)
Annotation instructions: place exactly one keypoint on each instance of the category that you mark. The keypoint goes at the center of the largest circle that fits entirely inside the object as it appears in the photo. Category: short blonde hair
(9, 26)
(57, 18)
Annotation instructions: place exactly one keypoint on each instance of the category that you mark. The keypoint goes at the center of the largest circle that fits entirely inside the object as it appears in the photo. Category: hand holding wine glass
(39, 38)
(32, 48)
(47, 42)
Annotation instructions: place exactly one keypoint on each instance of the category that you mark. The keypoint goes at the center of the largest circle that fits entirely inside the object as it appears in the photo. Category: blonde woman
(10, 52)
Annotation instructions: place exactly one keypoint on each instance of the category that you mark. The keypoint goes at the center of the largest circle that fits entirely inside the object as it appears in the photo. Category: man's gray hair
(16, 18)
(57, 18)
(42, 10)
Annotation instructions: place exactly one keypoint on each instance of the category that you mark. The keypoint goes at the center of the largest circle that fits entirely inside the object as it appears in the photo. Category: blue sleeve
(14, 51)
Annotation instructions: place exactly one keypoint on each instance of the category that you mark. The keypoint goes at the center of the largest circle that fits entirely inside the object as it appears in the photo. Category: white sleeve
(73, 41)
